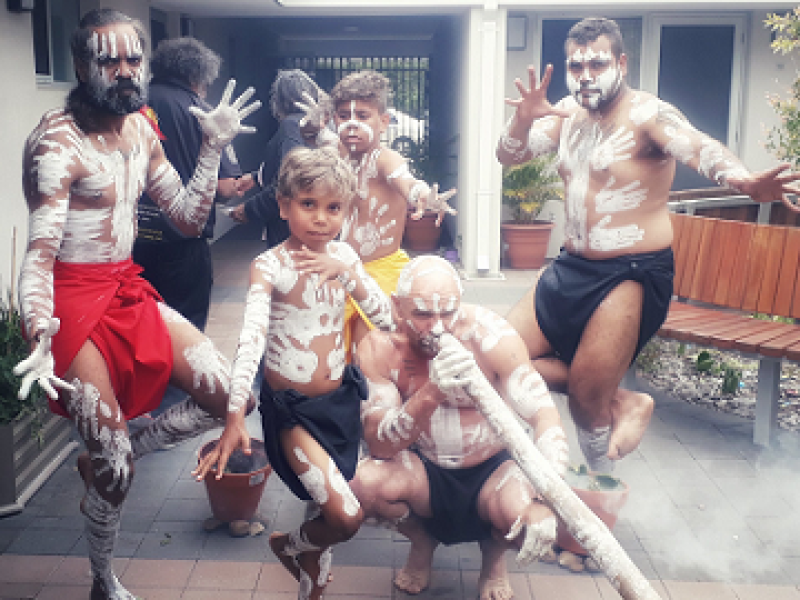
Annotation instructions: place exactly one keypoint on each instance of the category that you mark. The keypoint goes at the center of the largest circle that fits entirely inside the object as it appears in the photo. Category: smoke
(717, 528)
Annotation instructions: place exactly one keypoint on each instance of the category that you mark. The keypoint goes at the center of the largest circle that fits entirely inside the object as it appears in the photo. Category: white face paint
(589, 85)
(354, 124)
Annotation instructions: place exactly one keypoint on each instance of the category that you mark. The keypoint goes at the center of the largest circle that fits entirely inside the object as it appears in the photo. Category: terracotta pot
(606, 504)
(236, 495)
(526, 243)
(422, 235)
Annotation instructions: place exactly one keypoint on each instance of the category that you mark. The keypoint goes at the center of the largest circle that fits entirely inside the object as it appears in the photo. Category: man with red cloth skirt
(99, 332)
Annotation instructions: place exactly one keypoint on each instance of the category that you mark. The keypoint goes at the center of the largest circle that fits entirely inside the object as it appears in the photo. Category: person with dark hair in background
(286, 101)
(97, 330)
(180, 266)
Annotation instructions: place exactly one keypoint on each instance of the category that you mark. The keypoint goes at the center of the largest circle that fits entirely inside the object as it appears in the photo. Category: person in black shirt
(180, 267)
(285, 94)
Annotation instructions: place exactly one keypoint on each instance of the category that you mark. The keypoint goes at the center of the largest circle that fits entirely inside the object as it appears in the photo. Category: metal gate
(408, 131)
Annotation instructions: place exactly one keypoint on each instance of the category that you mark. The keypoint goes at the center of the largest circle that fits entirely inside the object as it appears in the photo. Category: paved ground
(710, 516)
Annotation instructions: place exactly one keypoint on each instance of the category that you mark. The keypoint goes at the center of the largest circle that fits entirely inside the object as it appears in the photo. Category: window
(53, 24)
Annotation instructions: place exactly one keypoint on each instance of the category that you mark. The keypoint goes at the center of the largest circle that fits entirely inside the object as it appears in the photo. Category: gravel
(672, 366)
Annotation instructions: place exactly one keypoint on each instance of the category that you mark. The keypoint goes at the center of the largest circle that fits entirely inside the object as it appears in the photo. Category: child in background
(386, 188)
(310, 399)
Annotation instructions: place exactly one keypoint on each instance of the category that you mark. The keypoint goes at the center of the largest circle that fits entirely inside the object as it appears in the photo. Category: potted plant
(605, 495)
(33, 441)
(526, 188)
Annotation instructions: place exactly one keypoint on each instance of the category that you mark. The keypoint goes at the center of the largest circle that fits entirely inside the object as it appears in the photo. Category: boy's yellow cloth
(385, 271)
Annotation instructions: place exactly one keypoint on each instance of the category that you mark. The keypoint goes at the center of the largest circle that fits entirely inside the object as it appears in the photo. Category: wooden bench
(724, 272)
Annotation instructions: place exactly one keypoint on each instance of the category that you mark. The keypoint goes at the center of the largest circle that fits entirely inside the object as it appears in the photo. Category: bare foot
(495, 589)
(493, 581)
(415, 576)
(278, 541)
(630, 415)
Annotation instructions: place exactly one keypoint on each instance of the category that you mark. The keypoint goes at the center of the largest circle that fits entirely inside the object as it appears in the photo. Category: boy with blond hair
(310, 398)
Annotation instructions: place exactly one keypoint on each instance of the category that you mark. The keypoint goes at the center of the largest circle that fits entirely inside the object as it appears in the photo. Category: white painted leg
(769, 378)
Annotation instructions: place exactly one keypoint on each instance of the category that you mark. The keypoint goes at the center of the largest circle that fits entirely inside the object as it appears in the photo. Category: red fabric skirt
(109, 304)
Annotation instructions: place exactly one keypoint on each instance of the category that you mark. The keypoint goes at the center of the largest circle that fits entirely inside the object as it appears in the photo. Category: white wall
(22, 104)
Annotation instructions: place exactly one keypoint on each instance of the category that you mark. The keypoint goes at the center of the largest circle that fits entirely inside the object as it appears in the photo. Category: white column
(480, 175)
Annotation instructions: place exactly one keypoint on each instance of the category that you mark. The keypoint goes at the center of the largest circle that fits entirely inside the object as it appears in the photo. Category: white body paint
(581, 153)
(295, 320)
(366, 227)
(94, 219)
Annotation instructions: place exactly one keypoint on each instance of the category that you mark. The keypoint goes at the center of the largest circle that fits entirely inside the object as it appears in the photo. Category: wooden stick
(585, 526)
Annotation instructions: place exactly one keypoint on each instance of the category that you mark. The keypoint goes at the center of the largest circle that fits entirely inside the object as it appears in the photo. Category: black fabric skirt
(333, 419)
(454, 500)
(572, 287)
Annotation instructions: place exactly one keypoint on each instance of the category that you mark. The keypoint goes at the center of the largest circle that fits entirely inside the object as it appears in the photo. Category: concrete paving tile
(20, 591)
(65, 592)
(220, 575)
(269, 595)
(356, 582)
(274, 578)
(72, 570)
(368, 553)
(548, 587)
(16, 568)
(36, 540)
(215, 594)
(728, 469)
(8, 535)
(698, 590)
(171, 546)
(765, 592)
(184, 509)
(165, 574)
(779, 534)
(222, 546)
(519, 584)
(444, 584)
(155, 593)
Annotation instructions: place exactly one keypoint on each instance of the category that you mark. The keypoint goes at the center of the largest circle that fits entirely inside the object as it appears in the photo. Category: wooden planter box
(27, 461)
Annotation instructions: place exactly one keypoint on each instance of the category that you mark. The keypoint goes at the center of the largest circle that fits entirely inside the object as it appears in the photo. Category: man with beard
(438, 472)
(609, 290)
(98, 331)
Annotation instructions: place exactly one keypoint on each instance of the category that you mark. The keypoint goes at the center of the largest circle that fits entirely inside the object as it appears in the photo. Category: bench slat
(775, 240)
(789, 282)
(768, 331)
(754, 269)
(732, 239)
(777, 346)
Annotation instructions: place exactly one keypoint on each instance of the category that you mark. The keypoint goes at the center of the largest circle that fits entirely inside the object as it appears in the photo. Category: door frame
(651, 54)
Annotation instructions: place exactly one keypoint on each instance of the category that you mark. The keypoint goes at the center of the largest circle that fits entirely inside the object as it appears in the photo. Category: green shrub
(14, 348)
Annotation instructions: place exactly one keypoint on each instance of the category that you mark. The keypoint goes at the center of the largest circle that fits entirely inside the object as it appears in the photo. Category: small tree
(784, 140)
